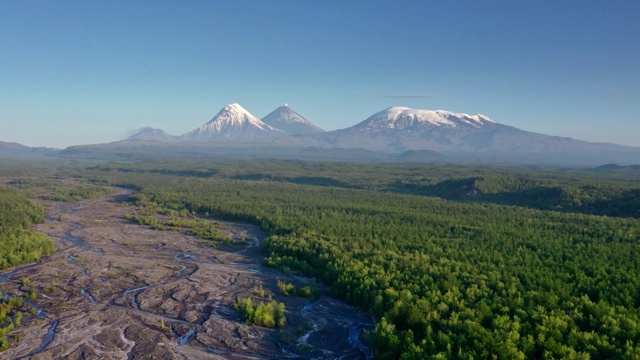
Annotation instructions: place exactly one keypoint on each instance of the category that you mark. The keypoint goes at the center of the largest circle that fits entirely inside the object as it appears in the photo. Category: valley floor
(118, 290)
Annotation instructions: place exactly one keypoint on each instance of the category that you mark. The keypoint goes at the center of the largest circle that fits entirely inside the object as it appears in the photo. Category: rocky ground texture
(119, 290)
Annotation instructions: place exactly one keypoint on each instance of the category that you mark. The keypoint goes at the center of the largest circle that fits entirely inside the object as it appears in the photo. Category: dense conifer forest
(19, 244)
(451, 261)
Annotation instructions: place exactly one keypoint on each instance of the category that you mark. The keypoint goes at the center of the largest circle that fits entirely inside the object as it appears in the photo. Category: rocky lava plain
(119, 290)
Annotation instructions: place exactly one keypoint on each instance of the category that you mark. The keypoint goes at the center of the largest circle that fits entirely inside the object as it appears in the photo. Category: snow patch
(397, 117)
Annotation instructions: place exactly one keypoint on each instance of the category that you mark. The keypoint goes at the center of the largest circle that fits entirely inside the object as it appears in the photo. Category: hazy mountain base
(149, 150)
(502, 144)
(360, 150)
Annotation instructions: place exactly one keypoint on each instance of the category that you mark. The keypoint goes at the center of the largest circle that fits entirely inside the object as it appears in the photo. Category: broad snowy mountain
(233, 122)
(289, 121)
(471, 137)
(152, 134)
(405, 119)
(399, 129)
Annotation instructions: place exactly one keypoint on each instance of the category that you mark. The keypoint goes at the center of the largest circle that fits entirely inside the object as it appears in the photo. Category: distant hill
(615, 168)
(420, 156)
(15, 149)
(12, 147)
(152, 134)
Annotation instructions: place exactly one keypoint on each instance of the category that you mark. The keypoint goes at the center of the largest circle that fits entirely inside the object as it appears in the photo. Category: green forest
(452, 261)
(589, 191)
(19, 244)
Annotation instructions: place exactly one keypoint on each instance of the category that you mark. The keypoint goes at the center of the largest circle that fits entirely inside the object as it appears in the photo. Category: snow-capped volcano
(289, 121)
(400, 129)
(232, 122)
(402, 118)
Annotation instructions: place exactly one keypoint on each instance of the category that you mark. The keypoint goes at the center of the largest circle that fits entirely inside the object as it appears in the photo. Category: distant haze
(98, 71)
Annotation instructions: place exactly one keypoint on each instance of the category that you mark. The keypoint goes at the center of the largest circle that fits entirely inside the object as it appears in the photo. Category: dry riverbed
(118, 290)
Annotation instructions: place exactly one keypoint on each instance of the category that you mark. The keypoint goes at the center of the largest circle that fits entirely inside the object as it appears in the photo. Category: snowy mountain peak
(397, 117)
(234, 107)
(232, 122)
(289, 121)
(234, 115)
(234, 112)
(285, 114)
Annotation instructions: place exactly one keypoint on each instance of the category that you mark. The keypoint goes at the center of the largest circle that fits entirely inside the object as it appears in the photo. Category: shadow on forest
(556, 198)
(302, 180)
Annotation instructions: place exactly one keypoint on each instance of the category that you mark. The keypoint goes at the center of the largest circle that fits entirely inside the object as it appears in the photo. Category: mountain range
(393, 134)
(434, 134)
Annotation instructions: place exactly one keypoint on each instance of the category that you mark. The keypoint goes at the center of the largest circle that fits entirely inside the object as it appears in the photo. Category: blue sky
(78, 72)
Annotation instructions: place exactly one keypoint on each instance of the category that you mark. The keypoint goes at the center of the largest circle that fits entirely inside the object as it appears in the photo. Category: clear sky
(78, 72)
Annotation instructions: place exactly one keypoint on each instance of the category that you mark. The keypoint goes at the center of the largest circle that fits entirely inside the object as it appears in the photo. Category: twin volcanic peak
(234, 122)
